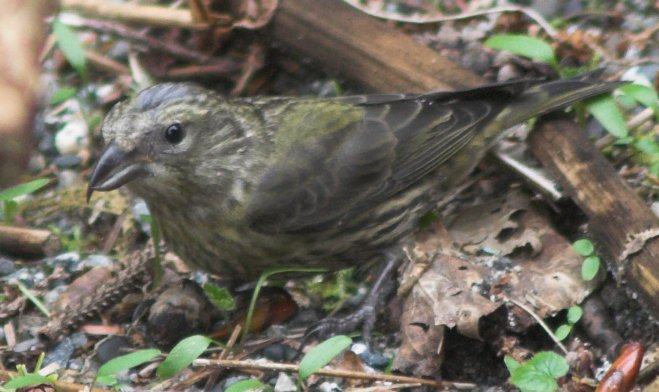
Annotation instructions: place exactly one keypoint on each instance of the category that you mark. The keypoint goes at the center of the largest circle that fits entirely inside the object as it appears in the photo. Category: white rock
(285, 383)
(73, 137)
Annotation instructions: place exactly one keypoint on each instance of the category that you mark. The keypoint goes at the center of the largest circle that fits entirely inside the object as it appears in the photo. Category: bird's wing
(348, 154)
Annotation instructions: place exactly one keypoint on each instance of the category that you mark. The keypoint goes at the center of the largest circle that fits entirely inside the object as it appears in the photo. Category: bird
(238, 186)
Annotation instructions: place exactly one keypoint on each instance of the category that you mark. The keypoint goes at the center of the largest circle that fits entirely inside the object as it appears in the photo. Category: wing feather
(394, 142)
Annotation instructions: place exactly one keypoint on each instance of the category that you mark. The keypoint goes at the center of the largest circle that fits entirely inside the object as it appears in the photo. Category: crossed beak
(114, 169)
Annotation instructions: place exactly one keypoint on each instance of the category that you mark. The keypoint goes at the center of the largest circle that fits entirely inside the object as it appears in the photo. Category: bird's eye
(174, 133)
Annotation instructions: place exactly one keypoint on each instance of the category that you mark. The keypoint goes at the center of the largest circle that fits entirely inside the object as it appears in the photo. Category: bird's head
(151, 139)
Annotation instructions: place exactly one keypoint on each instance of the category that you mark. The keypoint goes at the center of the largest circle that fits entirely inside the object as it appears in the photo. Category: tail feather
(550, 96)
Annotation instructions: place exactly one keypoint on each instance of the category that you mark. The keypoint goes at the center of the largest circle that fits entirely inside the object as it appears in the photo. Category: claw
(366, 313)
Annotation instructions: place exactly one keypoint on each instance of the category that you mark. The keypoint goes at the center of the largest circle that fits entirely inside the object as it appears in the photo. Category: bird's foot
(365, 315)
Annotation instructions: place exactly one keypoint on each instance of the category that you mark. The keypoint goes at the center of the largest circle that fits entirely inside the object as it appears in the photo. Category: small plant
(71, 240)
(539, 374)
(250, 385)
(63, 94)
(182, 355)
(591, 263)
(68, 43)
(8, 196)
(107, 373)
(220, 297)
(155, 236)
(25, 379)
(257, 289)
(573, 316)
(322, 354)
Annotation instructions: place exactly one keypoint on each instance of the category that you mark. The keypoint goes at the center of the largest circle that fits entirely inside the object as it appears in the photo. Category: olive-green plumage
(241, 185)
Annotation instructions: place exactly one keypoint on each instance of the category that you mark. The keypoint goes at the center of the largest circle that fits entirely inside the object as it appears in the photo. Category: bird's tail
(546, 97)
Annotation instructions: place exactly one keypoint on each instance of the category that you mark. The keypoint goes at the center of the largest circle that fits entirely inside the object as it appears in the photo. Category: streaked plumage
(301, 182)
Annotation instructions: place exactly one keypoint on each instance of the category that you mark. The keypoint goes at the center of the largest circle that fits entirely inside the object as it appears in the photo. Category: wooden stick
(625, 230)
(364, 49)
(28, 242)
(134, 13)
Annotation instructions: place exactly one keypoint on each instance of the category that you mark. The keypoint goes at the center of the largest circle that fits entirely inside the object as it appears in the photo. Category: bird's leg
(366, 313)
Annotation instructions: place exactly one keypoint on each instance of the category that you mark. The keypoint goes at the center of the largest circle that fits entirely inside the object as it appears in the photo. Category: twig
(212, 379)
(535, 176)
(633, 123)
(28, 242)
(272, 366)
(641, 118)
(106, 63)
(140, 37)
(134, 13)
(599, 49)
(198, 11)
(224, 66)
(539, 19)
(252, 63)
(111, 238)
(540, 321)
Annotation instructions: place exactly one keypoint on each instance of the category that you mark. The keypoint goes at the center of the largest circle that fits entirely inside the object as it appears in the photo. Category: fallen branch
(28, 242)
(624, 228)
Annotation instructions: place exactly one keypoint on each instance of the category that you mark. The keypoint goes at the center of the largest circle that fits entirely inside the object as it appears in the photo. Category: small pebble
(73, 137)
(63, 351)
(138, 209)
(96, 261)
(68, 178)
(279, 352)
(67, 161)
(329, 387)
(37, 163)
(358, 348)
(7, 267)
(285, 383)
(374, 359)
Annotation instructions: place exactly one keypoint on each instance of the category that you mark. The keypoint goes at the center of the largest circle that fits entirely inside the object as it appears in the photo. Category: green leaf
(648, 146)
(22, 189)
(182, 355)
(529, 379)
(248, 385)
(220, 297)
(27, 380)
(32, 298)
(605, 110)
(109, 380)
(322, 354)
(70, 46)
(590, 267)
(574, 314)
(525, 46)
(563, 331)
(583, 247)
(62, 95)
(654, 169)
(550, 363)
(10, 210)
(127, 361)
(511, 364)
(644, 95)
